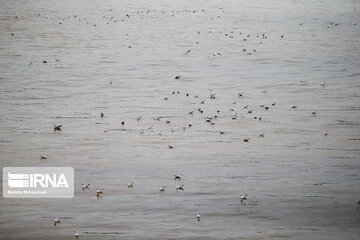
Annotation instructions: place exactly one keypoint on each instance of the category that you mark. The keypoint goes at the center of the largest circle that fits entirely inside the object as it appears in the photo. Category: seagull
(323, 84)
(166, 98)
(246, 140)
(130, 185)
(160, 133)
(172, 130)
(293, 106)
(141, 131)
(76, 235)
(261, 134)
(83, 186)
(190, 124)
(188, 51)
(243, 197)
(233, 102)
(167, 121)
(162, 189)
(198, 217)
(102, 115)
(325, 134)
(178, 187)
(221, 132)
(177, 177)
(57, 127)
(57, 220)
(171, 146)
(157, 118)
(245, 107)
(138, 118)
(176, 77)
(43, 157)
(99, 192)
(105, 130)
(191, 113)
(240, 95)
(202, 102)
(313, 113)
(212, 95)
(234, 116)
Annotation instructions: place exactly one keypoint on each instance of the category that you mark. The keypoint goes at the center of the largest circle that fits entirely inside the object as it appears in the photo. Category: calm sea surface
(300, 183)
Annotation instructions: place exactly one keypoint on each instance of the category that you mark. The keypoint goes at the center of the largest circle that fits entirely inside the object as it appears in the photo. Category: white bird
(85, 186)
(323, 84)
(190, 124)
(43, 157)
(130, 185)
(172, 130)
(57, 220)
(243, 197)
(179, 187)
(141, 131)
(160, 133)
(198, 217)
(76, 235)
(171, 146)
(99, 192)
(233, 102)
(162, 189)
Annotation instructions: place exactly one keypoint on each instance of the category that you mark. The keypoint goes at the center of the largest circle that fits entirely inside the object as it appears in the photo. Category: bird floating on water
(99, 192)
(56, 221)
(177, 177)
(198, 217)
(171, 146)
(85, 186)
(179, 187)
(138, 118)
(162, 189)
(261, 134)
(76, 234)
(313, 113)
(246, 140)
(243, 197)
(130, 185)
(43, 157)
(176, 77)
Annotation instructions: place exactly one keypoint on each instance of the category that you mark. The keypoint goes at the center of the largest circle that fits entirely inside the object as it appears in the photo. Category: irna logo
(16, 180)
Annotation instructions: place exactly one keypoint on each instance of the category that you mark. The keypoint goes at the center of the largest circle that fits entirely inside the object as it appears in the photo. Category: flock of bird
(178, 177)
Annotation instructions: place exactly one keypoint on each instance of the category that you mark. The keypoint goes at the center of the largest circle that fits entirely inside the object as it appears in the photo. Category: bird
(85, 186)
(177, 177)
(233, 102)
(187, 94)
(123, 123)
(188, 51)
(176, 77)
(293, 106)
(56, 221)
(261, 134)
(190, 124)
(273, 104)
(166, 98)
(323, 84)
(130, 185)
(221, 132)
(198, 217)
(162, 189)
(167, 121)
(325, 134)
(240, 95)
(246, 140)
(266, 108)
(160, 133)
(179, 187)
(141, 131)
(99, 192)
(76, 234)
(102, 115)
(105, 130)
(138, 118)
(313, 113)
(243, 197)
(191, 113)
(172, 130)
(202, 102)
(171, 146)
(43, 157)
(57, 127)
